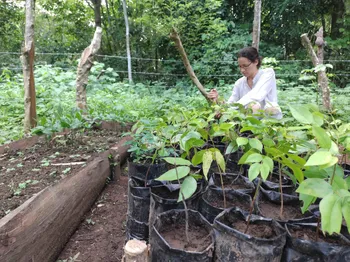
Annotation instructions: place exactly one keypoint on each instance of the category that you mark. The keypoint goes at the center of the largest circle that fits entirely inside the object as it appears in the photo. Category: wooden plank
(39, 229)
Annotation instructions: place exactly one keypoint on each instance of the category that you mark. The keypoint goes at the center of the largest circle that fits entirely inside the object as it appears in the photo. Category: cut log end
(135, 250)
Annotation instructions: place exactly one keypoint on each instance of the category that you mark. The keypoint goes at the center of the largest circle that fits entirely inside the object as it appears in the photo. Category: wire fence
(171, 70)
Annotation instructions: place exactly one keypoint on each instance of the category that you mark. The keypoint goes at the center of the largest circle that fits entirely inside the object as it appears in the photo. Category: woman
(257, 88)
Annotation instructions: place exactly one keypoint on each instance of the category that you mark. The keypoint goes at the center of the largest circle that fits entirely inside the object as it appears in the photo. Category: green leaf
(196, 176)
(255, 143)
(315, 172)
(203, 132)
(191, 139)
(319, 158)
(253, 171)
(274, 152)
(171, 175)
(245, 156)
(267, 160)
(268, 142)
(334, 148)
(178, 161)
(298, 159)
(339, 183)
(298, 173)
(253, 158)
(241, 141)
(226, 126)
(295, 128)
(331, 213)
(346, 212)
(207, 160)
(264, 171)
(315, 187)
(348, 181)
(307, 201)
(322, 137)
(193, 142)
(334, 160)
(198, 158)
(232, 147)
(188, 187)
(220, 160)
(253, 120)
(301, 114)
(318, 118)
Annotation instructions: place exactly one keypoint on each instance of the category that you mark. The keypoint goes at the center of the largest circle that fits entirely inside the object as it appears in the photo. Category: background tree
(28, 68)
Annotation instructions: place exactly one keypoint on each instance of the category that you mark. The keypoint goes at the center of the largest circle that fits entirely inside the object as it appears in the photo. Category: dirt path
(101, 236)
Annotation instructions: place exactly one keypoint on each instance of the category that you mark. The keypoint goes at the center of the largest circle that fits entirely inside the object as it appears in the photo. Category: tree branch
(322, 76)
(176, 38)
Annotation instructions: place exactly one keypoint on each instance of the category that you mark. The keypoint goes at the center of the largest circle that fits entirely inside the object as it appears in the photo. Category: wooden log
(21, 144)
(39, 229)
(135, 251)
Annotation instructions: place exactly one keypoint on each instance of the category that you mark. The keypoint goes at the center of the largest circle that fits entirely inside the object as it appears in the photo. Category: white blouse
(264, 91)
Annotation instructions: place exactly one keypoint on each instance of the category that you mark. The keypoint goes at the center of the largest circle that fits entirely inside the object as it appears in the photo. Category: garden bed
(27, 171)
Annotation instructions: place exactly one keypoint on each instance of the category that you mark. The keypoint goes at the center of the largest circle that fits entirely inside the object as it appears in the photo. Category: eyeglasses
(245, 66)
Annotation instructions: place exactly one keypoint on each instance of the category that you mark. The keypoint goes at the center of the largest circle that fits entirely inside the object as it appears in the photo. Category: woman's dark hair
(251, 53)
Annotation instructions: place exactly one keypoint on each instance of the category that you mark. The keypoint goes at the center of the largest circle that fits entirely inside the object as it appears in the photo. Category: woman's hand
(213, 95)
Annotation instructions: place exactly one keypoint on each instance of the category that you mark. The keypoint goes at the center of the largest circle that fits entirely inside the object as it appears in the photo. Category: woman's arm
(235, 94)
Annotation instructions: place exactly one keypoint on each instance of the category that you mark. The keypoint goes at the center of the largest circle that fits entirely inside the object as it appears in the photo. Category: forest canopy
(212, 32)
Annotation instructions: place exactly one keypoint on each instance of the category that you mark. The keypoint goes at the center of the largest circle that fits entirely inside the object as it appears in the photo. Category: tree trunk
(337, 14)
(176, 38)
(107, 28)
(97, 12)
(127, 40)
(27, 59)
(256, 24)
(84, 67)
(321, 75)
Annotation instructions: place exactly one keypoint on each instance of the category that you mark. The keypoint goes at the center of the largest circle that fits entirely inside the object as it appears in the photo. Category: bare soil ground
(101, 236)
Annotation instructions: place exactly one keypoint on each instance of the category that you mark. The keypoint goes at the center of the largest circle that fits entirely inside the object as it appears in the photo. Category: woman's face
(247, 67)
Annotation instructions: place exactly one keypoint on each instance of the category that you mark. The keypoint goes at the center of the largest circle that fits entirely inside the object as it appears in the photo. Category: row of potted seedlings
(245, 197)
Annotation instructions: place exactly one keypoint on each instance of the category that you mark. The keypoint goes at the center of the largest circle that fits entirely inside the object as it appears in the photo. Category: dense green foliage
(109, 99)
(212, 31)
